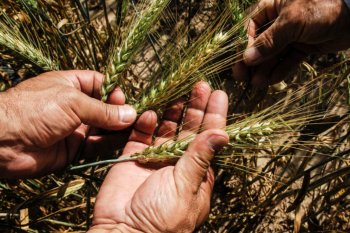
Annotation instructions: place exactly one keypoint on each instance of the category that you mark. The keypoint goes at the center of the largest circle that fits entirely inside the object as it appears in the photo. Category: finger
(263, 71)
(89, 82)
(287, 65)
(86, 81)
(116, 97)
(207, 188)
(270, 42)
(192, 167)
(240, 71)
(252, 31)
(141, 136)
(196, 108)
(96, 145)
(101, 145)
(95, 113)
(170, 121)
(215, 115)
(267, 11)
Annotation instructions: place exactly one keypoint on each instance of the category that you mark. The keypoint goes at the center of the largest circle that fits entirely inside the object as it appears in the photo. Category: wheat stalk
(125, 50)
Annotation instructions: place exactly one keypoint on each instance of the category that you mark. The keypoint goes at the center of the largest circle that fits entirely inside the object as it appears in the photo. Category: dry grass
(287, 165)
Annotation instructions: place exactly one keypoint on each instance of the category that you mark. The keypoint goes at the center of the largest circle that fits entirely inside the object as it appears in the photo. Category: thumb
(93, 112)
(269, 43)
(192, 167)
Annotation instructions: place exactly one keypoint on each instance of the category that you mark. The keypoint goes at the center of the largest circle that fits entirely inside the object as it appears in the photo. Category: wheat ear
(195, 65)
(254, 136)
(32, 4)
(15, 44)
(263, 130)
(124, 53)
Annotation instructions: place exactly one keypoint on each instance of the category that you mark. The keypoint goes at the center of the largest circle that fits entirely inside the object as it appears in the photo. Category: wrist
(112, 228)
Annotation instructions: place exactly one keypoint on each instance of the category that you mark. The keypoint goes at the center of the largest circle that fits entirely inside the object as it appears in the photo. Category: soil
(232, 209)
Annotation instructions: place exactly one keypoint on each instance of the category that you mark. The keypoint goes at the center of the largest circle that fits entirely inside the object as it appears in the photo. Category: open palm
(166, 198)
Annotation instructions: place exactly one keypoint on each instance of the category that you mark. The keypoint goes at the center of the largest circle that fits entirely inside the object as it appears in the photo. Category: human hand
(298, 28)
(44, 120)
(136, 198)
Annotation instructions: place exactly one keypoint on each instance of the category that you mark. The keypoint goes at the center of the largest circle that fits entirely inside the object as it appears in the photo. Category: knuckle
(268, 45)
(108, 112)
(67, 95)
(201, 164)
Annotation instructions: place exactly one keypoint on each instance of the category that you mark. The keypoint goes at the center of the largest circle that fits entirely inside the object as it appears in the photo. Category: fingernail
(216, 142)
(252, 55)
(127, 114)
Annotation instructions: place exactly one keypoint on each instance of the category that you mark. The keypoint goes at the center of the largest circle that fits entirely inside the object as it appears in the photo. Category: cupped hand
(285, 32)
(44, 120)
(176, 198)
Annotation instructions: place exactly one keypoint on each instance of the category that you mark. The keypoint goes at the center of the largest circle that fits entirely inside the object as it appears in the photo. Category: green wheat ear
(2, 86)
(264, 129)
(32, 4)
(24, 47)
(126, 49)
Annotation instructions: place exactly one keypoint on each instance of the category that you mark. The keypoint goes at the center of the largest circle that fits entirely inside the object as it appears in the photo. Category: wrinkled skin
(43, 121)
(173, 198)
(285, 32)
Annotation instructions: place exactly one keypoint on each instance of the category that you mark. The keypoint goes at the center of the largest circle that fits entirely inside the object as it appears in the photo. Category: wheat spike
(195, 65)
(32, 4)
(263, 130)
(2, 86)
(15, 44)
(124, 53)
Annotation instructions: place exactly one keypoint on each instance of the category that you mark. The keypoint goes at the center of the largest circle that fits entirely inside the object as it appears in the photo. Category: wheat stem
(103, 163)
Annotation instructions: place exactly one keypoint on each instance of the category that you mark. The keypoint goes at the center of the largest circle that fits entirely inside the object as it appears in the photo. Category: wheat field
(286, 167)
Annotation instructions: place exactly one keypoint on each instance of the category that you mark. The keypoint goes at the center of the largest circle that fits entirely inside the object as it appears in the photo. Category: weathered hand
(43, 122)
(176, 198)
(297, 28)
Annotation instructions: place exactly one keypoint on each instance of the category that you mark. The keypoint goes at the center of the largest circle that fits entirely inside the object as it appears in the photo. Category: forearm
(112, 228)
